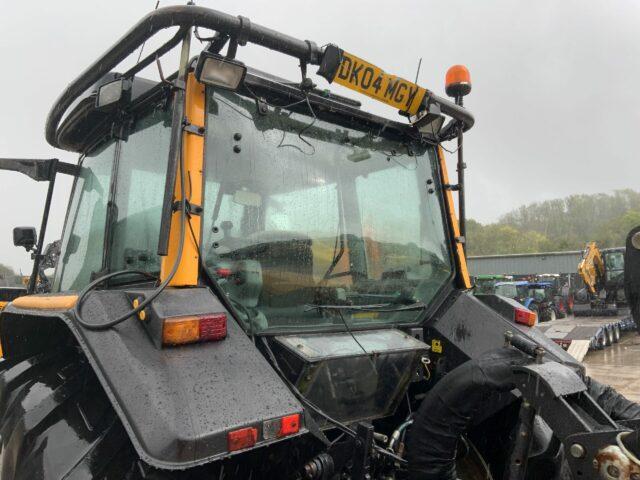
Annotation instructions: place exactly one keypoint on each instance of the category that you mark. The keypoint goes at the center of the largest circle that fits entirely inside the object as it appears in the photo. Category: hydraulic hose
(448, 409)
(616, 405)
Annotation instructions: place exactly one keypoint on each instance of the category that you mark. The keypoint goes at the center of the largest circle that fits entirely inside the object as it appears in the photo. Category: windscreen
(614, 263)
(301, 214)
(507, 290)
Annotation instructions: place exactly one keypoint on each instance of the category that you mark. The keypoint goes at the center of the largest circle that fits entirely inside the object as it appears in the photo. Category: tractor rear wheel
(57, 422)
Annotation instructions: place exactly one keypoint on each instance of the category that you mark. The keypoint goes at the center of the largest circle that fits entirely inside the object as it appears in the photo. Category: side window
(83, 241)
(142, 170)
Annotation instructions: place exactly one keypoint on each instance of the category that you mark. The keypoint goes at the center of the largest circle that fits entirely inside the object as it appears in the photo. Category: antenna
(142, 47)
(418, 71)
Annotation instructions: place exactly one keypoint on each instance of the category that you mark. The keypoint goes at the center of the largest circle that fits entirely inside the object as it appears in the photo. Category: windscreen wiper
(376, 307)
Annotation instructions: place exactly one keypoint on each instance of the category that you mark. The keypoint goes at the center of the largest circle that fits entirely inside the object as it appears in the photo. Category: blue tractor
(536, 296)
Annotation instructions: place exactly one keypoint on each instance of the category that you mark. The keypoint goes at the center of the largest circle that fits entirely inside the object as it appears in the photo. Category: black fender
(466, 327)
(176, 404)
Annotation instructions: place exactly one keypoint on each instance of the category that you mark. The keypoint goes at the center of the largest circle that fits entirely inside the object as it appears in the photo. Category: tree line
(561, 224)
(9, 278)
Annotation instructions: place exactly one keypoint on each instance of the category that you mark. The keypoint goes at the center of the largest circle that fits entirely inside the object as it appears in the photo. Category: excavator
(197, 328)
(603, 274)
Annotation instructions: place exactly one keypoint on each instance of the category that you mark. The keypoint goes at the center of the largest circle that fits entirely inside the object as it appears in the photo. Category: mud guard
(176, 404)
(467, 328)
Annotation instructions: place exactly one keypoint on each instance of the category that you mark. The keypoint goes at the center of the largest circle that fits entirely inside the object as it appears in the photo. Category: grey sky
(554, 95)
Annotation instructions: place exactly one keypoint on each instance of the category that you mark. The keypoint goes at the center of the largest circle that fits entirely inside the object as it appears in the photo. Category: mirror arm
(37, 255)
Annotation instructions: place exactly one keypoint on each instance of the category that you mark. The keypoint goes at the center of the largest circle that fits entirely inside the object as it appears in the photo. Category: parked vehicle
(603, 274)
(562, 290)
(536, 296)
(486, 283)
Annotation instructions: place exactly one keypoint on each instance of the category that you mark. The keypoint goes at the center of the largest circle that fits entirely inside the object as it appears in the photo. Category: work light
(428, 120)
(221, 72)
(113, 93)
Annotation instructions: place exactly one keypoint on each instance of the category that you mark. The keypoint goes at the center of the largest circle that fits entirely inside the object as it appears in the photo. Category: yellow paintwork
(45, 302)
(460, 257)
(591, 267)
(366, 78)
(193, 151)
(2, 305)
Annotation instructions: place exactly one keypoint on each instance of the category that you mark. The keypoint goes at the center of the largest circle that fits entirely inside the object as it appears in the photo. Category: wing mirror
(25, 237)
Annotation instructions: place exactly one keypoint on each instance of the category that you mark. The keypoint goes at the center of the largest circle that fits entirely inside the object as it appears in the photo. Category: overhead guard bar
(185, 16)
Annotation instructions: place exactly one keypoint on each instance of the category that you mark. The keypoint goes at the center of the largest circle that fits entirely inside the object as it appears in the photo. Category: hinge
(195, 129)
(192, 208)
(262, 106)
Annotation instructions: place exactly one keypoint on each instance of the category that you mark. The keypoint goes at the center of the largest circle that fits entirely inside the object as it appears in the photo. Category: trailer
(578, 335)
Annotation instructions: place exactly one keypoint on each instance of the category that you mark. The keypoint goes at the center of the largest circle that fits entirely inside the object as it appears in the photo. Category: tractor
(258, 279)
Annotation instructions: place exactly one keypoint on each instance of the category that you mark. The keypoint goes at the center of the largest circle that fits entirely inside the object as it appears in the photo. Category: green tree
(560, 224)
(614, 232)
(8, 278)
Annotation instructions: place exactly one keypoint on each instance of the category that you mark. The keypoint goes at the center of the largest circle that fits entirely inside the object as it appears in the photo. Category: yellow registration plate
(363, 77)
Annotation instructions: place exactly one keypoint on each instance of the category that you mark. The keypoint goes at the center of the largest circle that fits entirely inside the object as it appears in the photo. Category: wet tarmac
(618, 366)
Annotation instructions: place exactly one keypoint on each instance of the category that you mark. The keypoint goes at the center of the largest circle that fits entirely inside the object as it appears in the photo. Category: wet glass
(83, 238)
(299, 212)
(127, 210)
(142, 170)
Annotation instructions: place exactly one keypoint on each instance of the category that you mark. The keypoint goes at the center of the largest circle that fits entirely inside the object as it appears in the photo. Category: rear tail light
(194, 328)
(525, 316)
(241, 439)
(224, 272)
(281, 427)
(290, 425)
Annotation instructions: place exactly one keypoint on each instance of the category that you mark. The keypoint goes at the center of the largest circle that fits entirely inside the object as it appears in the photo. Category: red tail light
(243, 438)
(194, 328)
(224, 272)
(281, 427)
(213, 327)
(525, 316)
(290, 425)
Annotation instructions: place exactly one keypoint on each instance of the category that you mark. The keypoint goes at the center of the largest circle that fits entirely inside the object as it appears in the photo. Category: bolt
(237, 136)
(613, 471)
(577, 451)
(236, 148)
